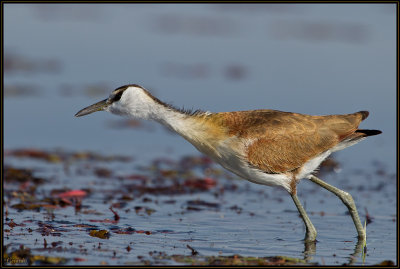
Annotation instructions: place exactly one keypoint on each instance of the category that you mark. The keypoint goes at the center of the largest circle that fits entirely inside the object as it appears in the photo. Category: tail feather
(364, 114)
(354, 138)
(366, 133)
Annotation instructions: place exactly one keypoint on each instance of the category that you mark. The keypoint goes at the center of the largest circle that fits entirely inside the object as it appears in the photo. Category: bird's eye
(117, 96)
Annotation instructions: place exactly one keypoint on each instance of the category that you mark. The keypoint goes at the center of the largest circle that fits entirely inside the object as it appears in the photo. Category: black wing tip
(369, 132)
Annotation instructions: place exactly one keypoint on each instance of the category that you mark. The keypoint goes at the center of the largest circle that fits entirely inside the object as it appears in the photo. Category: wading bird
(264, 146)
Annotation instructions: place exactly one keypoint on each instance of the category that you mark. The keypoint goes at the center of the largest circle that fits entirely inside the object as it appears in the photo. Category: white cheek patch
(118, 109)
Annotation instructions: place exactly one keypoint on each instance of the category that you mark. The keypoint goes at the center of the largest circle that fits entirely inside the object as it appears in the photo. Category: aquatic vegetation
(85, 203)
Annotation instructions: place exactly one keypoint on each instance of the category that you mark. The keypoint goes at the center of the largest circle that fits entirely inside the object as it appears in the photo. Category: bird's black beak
(99, 106)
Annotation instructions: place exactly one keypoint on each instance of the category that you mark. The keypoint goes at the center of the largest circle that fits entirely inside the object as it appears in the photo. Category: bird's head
(129, 100)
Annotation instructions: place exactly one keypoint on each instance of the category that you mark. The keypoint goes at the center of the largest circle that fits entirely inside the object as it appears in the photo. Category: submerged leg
(347, 200)
(311, 232)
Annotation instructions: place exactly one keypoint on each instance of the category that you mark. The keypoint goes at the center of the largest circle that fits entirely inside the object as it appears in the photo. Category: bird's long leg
(311, 232)
(347, 200)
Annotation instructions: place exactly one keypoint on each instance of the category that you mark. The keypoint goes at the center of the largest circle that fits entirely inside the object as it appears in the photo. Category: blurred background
(306, 58)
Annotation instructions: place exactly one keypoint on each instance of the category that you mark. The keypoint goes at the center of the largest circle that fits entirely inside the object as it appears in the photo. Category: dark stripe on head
(117, 93)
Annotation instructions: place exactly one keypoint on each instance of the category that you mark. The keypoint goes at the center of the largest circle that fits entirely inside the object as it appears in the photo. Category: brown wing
(284, 141)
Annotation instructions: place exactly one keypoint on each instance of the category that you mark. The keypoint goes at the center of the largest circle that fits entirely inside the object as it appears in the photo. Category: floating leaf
(77, 259)
(143, 232)
(103, 234)
(73, 193)
(48, 259)
(27, 206)
(12, 174)
(201, 183)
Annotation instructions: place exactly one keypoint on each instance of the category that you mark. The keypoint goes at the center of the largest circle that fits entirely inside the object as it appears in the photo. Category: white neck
(138, 103)
(169, 117)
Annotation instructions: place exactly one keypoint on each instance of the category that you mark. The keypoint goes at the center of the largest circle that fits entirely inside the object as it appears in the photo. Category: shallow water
(314, 59)
(230, 217)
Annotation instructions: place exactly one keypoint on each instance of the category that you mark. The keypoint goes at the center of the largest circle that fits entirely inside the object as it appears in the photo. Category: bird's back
(279, 142)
